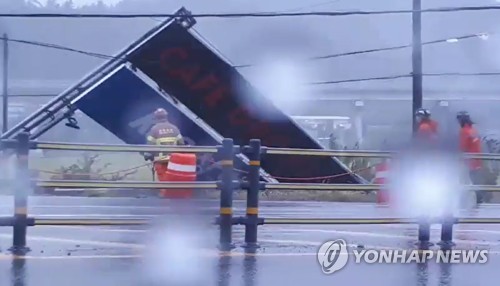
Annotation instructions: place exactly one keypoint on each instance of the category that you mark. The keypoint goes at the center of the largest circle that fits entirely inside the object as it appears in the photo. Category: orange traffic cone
(181, 168)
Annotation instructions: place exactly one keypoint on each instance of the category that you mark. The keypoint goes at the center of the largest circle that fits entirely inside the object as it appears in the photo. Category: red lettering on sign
(206, 83)
(186, 74)
(216, 97)
(173, 62)
(216, 94)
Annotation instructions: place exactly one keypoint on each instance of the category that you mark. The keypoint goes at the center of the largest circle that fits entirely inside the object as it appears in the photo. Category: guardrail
(22, 183)
(227, 185)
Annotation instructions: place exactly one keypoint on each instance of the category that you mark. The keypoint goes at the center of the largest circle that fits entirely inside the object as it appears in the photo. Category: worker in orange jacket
(162, 133)
(470, 142)
(427, 129)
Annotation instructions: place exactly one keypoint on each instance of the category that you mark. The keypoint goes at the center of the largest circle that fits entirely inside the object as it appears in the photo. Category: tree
(52, 4)
(33, 3)
(100, 5)
(68, 5)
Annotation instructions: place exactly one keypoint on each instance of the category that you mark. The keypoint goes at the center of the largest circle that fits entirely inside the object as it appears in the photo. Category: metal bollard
(21, 187)
(226, 151)
(424, 233)
(253, 192)
(447, 232)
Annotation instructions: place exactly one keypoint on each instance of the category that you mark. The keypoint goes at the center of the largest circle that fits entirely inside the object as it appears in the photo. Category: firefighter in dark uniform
(162, 133)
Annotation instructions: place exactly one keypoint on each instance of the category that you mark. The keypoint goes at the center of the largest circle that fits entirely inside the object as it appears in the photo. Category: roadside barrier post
(424, 232)
(21, 188)
(447, 232)
(226, 186)
(253, 192)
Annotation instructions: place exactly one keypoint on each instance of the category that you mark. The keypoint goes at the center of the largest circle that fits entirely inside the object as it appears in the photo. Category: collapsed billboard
(211, 88)
(122, 102)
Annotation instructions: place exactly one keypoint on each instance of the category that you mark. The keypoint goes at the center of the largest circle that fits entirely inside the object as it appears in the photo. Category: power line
(394, 47)
(251, 15)
(400, 47)
(360, 79)
(104, 56)
(59, 47)
(405, 76)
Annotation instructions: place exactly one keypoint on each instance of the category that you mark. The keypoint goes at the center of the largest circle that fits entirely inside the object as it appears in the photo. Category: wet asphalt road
(84, 256)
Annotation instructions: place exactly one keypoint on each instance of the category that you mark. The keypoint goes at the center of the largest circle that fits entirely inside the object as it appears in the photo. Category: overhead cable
(360, 79)
(330, 56)
(251, 15)
(405, 76)
(104, 56)
(58, 47)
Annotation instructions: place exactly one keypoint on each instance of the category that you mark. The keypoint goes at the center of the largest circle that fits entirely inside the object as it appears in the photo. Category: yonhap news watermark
(334, 255)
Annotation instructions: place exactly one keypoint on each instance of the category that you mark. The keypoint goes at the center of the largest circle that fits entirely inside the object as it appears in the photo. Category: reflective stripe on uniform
(166, 140)
(181, 168)
(169, 141)
(161, 158)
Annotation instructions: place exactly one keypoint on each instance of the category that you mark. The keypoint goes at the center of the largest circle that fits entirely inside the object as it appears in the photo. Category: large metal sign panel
(123, 104)
(211, 88)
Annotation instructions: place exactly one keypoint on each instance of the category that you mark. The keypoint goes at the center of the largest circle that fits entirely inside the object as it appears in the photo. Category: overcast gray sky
(291, 39)
(279, 44)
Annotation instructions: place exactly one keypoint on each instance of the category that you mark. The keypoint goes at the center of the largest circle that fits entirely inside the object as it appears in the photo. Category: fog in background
(278, 46)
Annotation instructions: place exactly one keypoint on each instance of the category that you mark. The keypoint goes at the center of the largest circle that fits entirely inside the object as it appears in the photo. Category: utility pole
(5, 98)
(416, 59)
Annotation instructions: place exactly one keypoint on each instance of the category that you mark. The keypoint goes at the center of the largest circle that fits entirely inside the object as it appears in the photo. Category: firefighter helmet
(422, 112)
(160, 114)
(463, 117)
